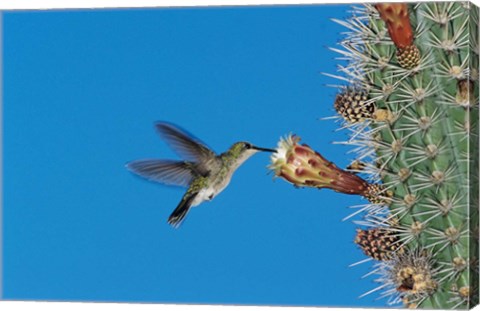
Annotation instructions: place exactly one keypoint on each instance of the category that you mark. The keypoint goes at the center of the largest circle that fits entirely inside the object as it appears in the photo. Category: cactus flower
(304, 167)
(395, 15)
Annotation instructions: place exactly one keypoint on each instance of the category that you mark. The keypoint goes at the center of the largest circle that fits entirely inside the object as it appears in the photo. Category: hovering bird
(203, 172)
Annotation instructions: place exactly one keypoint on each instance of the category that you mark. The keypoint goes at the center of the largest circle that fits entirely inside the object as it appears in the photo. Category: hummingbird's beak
(264, 149)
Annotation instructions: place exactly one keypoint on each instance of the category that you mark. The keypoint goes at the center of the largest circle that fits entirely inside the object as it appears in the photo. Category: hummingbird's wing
(175, 173)
(184, 144)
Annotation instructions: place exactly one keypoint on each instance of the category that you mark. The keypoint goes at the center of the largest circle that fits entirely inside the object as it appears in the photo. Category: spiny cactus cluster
(409, 101)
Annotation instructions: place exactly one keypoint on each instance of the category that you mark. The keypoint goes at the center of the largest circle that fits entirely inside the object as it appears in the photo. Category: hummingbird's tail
(178, 215)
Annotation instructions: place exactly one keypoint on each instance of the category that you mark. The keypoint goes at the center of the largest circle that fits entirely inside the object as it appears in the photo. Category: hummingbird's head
(244, 150)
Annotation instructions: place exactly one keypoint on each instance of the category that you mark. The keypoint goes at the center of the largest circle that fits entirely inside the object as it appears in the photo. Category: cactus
(411, 108)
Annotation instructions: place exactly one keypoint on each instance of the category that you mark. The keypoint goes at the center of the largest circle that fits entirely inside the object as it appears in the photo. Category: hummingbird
(204, 173)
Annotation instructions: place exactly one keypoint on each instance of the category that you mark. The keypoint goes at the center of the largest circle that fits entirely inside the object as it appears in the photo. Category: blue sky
(82, 90)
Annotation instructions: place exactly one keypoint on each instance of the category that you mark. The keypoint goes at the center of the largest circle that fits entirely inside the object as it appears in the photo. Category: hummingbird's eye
(248, 145)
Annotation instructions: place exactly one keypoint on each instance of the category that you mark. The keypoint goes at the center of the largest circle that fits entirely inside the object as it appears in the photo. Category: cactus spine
(411, 108)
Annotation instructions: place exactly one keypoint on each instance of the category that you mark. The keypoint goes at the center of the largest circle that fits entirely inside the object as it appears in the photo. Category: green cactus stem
(419, 63)
(411, 110)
